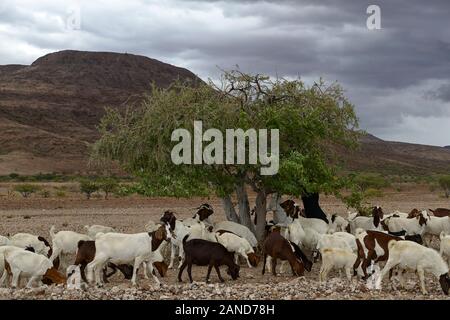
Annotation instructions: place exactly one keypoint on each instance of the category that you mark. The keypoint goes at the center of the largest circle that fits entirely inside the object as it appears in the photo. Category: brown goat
(278, 247)
(86, 254)
(206, 253)
(367, 251)
(441, 212)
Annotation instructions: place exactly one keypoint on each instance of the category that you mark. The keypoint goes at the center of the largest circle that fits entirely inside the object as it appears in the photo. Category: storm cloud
(397, 77)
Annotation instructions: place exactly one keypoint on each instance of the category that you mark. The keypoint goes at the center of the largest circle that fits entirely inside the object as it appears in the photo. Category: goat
(445, 246)
(410, 226)
(121, 248)
(373, 246)
(39, 244)
(277, 247)
(413, 256)
(4, 241)
(337, 223)
(86, 254)
(180, 231)
(368, 223)
(206, 253)
(30, 264)
(441, 212)
(435, 226)
(238, 229)
(65, 242)
(239, 246)
(337, 258)
(95, 228)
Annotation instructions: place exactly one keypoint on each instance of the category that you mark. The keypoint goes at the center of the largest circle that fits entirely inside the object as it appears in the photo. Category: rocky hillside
(49, 110)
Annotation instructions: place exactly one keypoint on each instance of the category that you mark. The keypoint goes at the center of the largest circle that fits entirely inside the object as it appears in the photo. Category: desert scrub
(26, 189)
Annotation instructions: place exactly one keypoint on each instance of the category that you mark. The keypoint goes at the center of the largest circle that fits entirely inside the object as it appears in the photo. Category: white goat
(445, 246)
(337, 223)
(435, 226)
(410, 226)
(4, 241)
(238, 245)
(95, 228)
(317, 224)
(65, 242)
(239, 229)
(338, 259)
(121, 248)
(176, 243)
(409, 255)
(29, 264)
(24, 240)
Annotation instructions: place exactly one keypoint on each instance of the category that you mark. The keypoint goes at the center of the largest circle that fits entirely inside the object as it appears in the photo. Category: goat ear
(376, 220)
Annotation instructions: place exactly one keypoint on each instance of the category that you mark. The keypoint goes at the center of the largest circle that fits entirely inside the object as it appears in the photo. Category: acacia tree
(311, 120)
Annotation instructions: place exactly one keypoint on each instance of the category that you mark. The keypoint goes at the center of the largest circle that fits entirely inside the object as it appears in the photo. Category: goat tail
(52, 232)
(391, 244)
(185, 239)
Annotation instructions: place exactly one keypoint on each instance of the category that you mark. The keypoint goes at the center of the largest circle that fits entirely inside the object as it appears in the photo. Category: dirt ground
(36, 215)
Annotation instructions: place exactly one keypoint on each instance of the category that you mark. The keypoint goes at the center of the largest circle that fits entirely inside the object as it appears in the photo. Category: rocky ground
(130, 214)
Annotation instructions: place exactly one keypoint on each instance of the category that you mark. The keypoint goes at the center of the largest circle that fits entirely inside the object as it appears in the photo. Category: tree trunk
(312, 207)
(244, 207)
(229, 209)
(261, 211)
(279, 215)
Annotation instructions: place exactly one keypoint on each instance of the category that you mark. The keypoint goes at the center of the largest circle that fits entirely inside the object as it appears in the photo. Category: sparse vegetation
(371, 180)
(444, 184)
(45, 194)
(26, 189)
(88, 187)
(107, 185)
(60, 193)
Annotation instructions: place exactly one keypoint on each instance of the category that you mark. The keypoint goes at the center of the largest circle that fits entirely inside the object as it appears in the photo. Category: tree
(88, 187)
(107, 185)
(26, 189)
(311, 121)
(444, 183)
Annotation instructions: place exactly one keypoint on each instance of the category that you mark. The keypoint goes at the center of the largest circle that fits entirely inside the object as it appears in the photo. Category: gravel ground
(130, 214)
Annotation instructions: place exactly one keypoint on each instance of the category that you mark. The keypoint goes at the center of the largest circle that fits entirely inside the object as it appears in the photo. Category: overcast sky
(398, 77)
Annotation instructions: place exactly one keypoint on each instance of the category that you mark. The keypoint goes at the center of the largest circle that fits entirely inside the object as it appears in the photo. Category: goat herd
(355, 245)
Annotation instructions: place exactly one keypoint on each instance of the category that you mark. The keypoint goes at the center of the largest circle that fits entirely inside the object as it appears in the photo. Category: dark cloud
(392, 75)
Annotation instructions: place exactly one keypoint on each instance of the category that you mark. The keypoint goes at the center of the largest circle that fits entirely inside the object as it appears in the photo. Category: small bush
(373, 193)
(45, 194)
(444, 183)
(107, 185)
(26, 189)
(88, 187)
(371, 180)
(60, 194)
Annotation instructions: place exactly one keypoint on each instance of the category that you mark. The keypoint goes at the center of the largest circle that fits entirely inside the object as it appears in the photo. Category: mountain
(49, 110)
(398, 158)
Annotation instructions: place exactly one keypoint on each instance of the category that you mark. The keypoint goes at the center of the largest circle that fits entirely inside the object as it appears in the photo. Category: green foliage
(310, 120)
(370, 180)
(88, 187)
(444, 184)
(26, 189)
(373, 193)
(107, 185)
(60, 194)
